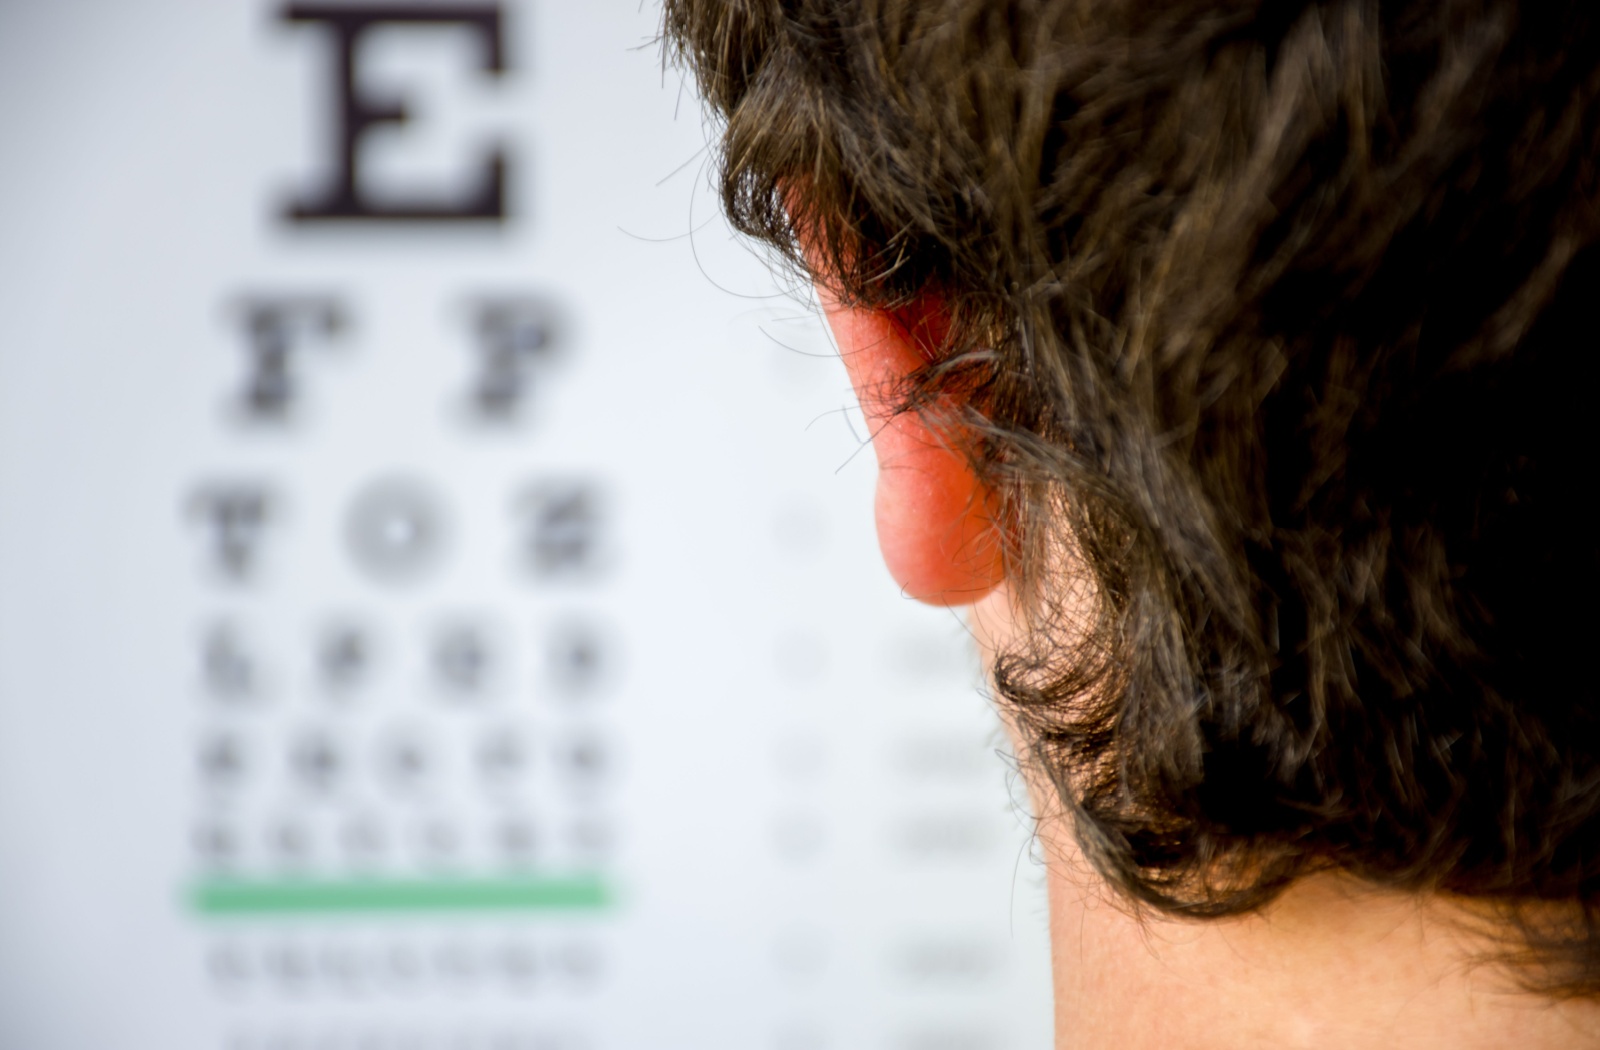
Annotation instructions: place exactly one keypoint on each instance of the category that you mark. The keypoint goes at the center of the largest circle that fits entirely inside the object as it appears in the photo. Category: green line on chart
(287, 896)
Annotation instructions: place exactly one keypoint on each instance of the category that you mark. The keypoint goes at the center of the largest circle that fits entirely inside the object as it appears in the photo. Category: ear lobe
(936, 521)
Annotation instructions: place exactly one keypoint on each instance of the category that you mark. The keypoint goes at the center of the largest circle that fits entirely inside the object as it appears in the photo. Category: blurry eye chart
(439, 607)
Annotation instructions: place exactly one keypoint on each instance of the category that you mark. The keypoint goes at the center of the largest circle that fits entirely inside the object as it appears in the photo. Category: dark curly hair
(1276, 321)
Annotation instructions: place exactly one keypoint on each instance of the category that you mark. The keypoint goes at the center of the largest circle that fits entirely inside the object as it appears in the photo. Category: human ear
(936, 520)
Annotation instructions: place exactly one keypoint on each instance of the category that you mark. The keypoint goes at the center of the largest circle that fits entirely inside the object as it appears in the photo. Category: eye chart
(438, 602)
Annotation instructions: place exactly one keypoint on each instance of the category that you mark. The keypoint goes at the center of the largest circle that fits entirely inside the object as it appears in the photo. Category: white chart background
(807, 832)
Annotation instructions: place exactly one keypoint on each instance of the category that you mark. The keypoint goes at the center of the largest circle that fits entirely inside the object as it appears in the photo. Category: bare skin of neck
(1332, 964)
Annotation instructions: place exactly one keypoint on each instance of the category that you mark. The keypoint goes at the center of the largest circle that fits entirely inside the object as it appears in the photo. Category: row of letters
(365, 841)
(465, 660)
(515, 340)
(405, 965)
(322, 762)
(397, 529)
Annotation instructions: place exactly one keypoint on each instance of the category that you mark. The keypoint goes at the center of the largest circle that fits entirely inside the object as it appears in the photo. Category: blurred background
(438, 601)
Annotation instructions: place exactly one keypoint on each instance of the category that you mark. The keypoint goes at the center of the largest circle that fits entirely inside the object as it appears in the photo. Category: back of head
(1273, 318)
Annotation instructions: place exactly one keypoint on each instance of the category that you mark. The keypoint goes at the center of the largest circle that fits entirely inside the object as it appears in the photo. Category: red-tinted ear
(936, 521)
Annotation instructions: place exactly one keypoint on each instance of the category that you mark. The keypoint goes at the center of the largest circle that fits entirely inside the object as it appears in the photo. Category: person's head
(1256, 339)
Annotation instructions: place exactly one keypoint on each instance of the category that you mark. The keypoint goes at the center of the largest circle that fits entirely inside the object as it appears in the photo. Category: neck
(1331, 963)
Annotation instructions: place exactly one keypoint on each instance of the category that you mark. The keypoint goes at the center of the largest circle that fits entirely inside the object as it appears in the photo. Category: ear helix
(936, 519)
